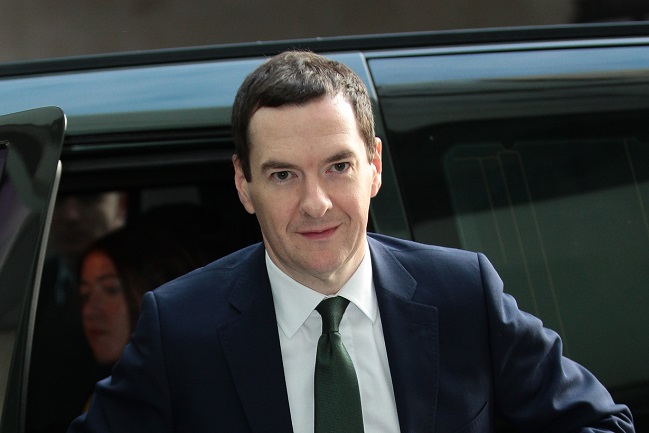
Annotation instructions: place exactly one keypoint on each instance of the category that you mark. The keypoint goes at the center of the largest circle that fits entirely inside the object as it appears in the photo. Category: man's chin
(324, 268)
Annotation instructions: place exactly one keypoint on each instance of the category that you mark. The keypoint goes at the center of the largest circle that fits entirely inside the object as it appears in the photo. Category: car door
(30, 148)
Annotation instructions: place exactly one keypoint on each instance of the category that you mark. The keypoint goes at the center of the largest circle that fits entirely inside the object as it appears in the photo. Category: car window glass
(560, 205)
(567, 224)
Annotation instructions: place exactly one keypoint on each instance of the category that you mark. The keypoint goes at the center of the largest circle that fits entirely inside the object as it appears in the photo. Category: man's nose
(315, 199)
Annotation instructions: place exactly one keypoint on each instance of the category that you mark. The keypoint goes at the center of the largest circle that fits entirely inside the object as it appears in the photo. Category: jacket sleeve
(537, 388)
(136, 397)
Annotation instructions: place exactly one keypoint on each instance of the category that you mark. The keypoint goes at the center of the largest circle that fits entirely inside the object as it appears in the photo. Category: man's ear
(242, 185)
(377, 165)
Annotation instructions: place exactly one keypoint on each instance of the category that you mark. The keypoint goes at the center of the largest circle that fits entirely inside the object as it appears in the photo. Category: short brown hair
(297, 78)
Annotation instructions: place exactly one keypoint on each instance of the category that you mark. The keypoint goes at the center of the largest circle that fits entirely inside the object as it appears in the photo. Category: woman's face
(104, 311)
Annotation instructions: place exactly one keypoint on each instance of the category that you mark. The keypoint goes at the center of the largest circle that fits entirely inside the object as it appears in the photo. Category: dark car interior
(186, 170)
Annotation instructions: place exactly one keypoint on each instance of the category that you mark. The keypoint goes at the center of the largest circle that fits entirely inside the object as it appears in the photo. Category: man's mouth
(318, 234)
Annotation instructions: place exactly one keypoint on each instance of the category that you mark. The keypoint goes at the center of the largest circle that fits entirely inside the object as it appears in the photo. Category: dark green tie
(337, 399)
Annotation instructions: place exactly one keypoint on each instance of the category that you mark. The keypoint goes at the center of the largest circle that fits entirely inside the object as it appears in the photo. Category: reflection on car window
(566, 223)
(561, 207)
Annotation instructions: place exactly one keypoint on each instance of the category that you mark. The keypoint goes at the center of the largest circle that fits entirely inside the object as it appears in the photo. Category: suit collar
(410, 330)
(294, 302)
(389, 273)
(251, 345)
(251, 281)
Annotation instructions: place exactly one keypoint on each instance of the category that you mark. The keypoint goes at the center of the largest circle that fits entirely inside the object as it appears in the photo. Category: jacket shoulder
(440, 273)
(408, 251)
(211, 287)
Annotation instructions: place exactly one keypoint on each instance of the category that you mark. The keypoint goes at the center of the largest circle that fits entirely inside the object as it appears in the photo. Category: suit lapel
(409, 328)
(251, 345)
(411, 340)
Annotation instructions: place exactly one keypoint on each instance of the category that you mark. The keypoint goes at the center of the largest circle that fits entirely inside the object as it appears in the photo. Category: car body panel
(31, 143)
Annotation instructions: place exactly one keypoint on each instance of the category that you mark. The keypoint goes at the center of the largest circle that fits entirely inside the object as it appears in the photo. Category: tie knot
(332, 310)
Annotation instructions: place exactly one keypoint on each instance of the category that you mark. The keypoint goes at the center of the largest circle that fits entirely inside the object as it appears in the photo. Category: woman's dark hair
(163, 244)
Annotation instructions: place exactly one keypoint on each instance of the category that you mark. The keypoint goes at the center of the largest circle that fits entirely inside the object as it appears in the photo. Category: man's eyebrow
(273, 164)
(344, 154)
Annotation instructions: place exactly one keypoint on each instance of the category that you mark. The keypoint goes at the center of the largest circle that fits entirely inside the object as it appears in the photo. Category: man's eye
(281, 175)
(340, 167)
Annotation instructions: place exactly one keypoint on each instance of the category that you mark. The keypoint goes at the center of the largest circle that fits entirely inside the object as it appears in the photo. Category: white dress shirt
(300, 327)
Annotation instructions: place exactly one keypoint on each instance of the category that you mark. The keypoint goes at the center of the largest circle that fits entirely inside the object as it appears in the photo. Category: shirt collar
(294, 302)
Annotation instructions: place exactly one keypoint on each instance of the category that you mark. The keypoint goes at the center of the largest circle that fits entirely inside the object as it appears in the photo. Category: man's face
(78, 220)
(310, 188)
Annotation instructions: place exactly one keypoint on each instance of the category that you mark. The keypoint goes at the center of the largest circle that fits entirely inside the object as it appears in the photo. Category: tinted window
(560, 205)
(182, 178)
(537, 156)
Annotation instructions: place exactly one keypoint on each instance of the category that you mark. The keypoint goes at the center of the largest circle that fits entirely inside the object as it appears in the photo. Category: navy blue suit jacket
(205, 356)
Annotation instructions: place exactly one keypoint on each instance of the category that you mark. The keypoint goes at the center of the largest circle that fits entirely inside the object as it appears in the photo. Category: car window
(566, 223)
(539, 160)
(561, 207)
(181, 178)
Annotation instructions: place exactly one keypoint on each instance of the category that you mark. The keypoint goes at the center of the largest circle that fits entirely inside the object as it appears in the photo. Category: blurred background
(36, 29)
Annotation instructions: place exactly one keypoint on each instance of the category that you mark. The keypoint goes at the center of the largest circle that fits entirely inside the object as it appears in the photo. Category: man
(59, 345)
(80, 219)
(429, 341)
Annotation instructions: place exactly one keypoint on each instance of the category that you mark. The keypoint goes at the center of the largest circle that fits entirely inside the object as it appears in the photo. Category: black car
(530, 145)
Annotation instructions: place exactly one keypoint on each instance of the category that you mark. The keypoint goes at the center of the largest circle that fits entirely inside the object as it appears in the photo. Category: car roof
(193, 88)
